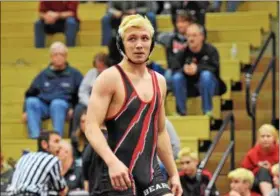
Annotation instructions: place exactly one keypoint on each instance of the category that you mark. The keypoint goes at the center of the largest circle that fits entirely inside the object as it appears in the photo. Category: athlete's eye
(145, 38)
(131, 39)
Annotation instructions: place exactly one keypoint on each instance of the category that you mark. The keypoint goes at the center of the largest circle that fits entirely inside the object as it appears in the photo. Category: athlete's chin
(139, 61)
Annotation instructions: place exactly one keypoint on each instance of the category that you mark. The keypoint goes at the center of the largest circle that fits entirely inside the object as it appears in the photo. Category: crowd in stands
(60, 92)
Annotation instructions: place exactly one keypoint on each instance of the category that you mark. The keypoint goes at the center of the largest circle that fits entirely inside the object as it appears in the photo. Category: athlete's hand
(175, 185)
(119, 176)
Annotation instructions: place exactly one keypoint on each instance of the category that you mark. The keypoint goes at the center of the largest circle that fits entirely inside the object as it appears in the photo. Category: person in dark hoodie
(198, 72)
(188, 160)
(175, 42)
(53, 93)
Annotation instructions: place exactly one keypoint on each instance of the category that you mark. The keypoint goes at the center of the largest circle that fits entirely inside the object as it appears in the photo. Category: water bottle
(234, 51)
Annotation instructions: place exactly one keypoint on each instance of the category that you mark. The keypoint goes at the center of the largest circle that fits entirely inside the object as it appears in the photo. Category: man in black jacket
(200, 69)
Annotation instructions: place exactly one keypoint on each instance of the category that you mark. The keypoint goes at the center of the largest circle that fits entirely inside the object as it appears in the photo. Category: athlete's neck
(137, 69)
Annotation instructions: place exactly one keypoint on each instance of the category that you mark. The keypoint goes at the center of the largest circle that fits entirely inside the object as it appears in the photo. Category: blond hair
(58, 45)
(137, 21)
(186, 151)
(66, 145)
(242, 174)
(275, 169)
(270, 129)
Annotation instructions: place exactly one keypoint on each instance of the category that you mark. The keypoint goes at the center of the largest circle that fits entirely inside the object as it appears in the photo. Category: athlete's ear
(44, 145)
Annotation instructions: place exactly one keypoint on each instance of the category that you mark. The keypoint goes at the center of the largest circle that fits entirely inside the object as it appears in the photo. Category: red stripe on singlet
(158, 99)
(147, 122)
(134, 120)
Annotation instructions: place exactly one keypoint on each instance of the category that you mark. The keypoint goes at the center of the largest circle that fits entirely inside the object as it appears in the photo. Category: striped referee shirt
(34, 172)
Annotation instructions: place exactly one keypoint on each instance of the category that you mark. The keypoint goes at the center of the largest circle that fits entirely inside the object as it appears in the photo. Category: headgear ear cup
(120, 45)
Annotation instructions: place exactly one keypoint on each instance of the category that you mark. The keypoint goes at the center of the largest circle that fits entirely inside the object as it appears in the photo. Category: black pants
(263, 175)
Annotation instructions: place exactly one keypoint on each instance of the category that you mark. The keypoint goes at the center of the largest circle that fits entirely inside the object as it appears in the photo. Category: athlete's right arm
(101, 95)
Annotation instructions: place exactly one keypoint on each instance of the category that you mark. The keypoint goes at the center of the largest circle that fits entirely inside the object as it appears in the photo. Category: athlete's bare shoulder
(109, 75)
(162, 83)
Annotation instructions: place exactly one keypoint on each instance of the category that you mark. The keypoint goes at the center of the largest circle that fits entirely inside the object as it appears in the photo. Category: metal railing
(211, 183)
(251, 98)
(229, 119)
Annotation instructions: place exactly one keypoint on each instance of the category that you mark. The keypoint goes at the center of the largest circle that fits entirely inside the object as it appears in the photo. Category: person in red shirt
(57, 16)
(261, 157)
(241, 182)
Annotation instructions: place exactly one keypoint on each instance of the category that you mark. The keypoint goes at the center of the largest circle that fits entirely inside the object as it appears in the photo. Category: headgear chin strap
(121, 49)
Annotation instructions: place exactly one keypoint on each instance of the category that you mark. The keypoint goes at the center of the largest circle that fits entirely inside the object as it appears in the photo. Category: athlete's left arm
(164, 148)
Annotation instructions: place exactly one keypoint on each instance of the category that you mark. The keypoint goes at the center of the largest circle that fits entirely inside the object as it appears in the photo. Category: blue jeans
(207, 85)
(37, 111)
(107, 29)
(231, 5)
(70, 27)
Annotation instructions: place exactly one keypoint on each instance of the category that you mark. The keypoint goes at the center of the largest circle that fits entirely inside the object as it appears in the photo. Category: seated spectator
(35, 171)
(175, 42)
(261, 157)
(71, 168)
(199, 72)
(188, 166)
(53, 93)
(196, 8)
(118, 9)
(78, 138)
(100, 63)
(241, 183)
(89, 160)
(156, 67)
(275, 173)
(231, 6)
(57, 16)
(175, 144)
(6, 174)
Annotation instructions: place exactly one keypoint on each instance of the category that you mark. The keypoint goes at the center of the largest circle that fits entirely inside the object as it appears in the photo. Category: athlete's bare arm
(100, 99)
(164, 149)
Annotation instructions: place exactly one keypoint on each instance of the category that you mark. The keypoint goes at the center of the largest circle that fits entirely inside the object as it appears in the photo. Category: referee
(35, 171)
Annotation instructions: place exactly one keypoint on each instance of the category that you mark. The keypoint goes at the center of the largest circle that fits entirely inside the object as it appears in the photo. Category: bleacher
(20, 62)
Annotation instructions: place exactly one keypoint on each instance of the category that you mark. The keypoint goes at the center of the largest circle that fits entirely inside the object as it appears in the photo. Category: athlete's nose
(139, 45)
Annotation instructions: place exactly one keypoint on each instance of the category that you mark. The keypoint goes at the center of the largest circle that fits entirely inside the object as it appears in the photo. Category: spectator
(199, 74)
(57, 16)
(71, 169)
(117, 9)
(261, 157)
(275, 173)
(156, 67)
(35, 171)
(175, 42)
(78, 139)
(231, 6)
(196, 8)
(100, 63)
(175, 144)
(241, 183)
(53, 93)
(188, 165)
(6, 174)
(89, 160)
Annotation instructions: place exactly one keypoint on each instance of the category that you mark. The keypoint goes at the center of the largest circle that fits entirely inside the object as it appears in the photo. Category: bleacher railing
(251, 98)
(211, 183)
(229, 119)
